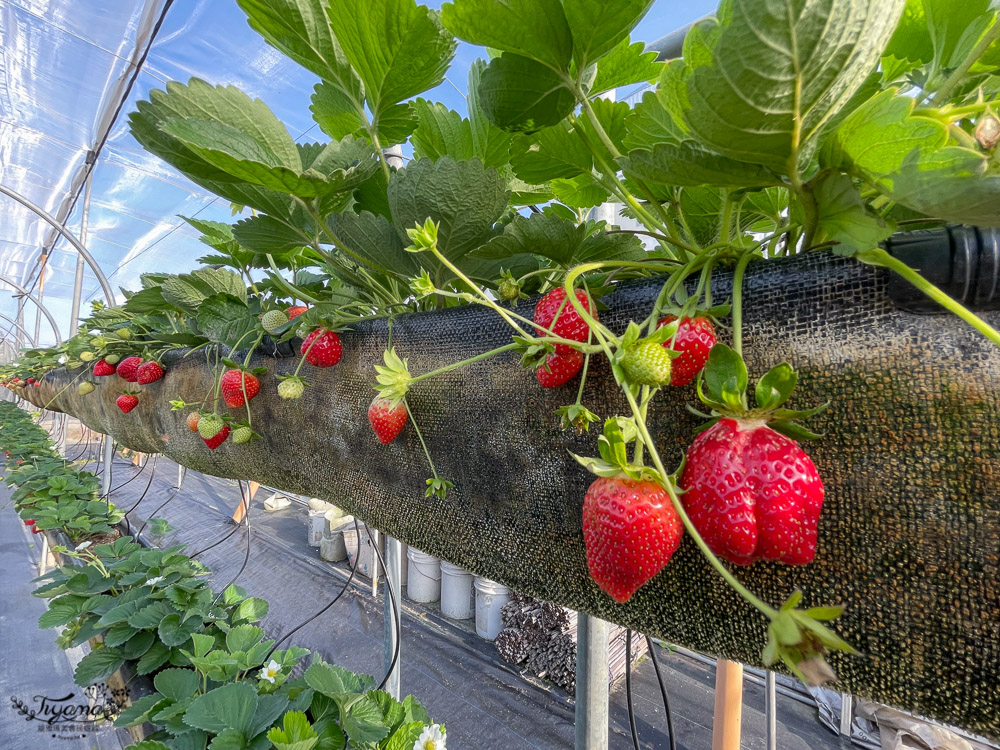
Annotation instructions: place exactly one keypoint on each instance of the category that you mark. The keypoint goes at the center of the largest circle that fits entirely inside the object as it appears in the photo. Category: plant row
(218, 682)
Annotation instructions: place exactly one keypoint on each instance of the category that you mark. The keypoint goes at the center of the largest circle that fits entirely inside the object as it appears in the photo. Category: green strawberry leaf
(778, 76)
(533, 29)
(521, 95)
(776, 387)
(398, 49)
(625, 65)
(725, 376)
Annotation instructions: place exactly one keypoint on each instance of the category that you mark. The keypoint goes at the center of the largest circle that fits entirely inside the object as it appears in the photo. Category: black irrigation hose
(81, 442)
(397, 618)
(87, 447)
(335, 599)
(153, 514)
(134, 477)
(152, 473)
(246, 558)
(663, 692)
(243, 504)
(628, 688)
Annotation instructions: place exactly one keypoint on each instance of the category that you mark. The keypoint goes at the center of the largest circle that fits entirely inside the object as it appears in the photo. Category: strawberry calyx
(393, 378)
(722, 386)
(613, 445)
(799, 639)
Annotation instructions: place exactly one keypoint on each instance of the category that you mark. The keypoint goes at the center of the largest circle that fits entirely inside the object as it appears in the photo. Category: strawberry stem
(879, 257)
(741, 268)
(464, 362)
(420, 437)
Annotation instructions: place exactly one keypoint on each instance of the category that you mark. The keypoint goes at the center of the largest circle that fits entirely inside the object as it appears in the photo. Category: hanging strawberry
(749, 489)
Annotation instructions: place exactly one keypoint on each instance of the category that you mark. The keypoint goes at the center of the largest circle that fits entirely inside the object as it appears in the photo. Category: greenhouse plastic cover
(64, 70)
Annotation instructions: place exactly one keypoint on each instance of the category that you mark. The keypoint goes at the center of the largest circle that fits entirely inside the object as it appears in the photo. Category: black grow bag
(910, 534)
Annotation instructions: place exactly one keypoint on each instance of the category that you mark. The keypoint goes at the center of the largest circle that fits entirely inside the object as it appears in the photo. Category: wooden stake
(728, 705)
(241, 509)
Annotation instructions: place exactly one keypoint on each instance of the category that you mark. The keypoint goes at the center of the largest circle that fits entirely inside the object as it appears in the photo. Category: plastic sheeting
(63, 68)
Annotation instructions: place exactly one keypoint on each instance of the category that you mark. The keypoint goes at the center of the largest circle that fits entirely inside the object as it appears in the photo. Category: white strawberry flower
(82, 546)
(154, 581)
(271, 671)
(432, 738)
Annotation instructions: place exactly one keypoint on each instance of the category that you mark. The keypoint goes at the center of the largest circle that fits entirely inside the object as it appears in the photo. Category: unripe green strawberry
(646, 363)
(112, 359)
(124, 334)
(271, 321)
(84, 388)
(291, 388)
(242, 435)
(508, 289)
(86, 356)
(210, 425)
(98, 342)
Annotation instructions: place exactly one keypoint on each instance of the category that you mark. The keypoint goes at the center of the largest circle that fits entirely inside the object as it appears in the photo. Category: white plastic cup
(423, 578)
(490, 598)
(317, 520)
(366, 555)
(456, 592)
(332, 547)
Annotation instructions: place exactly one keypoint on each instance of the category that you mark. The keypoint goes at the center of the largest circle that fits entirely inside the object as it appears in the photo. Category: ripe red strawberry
(322, 348)
(127, 402)
(695, 339)
(128, 368)
(631, 530)
(387, 419)
(232, 385)
(559, 369)
(219, 439)
(102, 368)
(35, 530)
(565, 323)
(31, 381)
(192, 421)
(752, 493)
(29, 522)
(149, 373)
(295, 311)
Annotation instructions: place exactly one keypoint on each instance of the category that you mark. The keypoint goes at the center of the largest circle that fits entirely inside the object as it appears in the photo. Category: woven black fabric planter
(910, 535)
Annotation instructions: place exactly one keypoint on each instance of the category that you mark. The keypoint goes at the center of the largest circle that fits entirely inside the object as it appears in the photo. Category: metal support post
(771, 710)
(393, 579)
(375, 539)
(109, 457)
(74, 314)
(591, 683)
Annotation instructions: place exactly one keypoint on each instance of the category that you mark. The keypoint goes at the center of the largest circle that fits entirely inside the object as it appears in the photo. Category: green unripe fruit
(98, 342)
(291, 388)
(508, 289)
(112, 359)
(210, 425)
(124, 334)
(272, 320)
(242, 435)
(84, 388)
(87, 356)
(647, 363)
